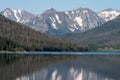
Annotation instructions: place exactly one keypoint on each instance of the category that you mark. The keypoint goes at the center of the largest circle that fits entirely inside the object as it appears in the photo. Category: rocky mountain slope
(57, 22)
(17, 15)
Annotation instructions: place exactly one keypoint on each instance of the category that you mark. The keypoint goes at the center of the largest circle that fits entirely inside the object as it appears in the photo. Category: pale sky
(39, 6)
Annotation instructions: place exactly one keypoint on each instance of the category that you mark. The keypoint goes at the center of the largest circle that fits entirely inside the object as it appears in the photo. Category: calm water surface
(69, 71)
(64, 52)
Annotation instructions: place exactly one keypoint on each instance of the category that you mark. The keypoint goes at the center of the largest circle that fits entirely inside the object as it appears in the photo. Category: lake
(69, 66)
(62, 52)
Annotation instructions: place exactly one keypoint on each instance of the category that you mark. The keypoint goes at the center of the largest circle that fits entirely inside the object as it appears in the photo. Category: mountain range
(57, 23)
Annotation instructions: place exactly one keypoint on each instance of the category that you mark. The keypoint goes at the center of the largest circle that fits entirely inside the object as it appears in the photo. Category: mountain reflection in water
(62, 67)
(64, 72)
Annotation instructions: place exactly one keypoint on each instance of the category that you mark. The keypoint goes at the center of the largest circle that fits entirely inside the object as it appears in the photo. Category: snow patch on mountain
(109, 14)
(66, 12)
(57, 17)
(85, 11)
(79, 21)
(54, 26)
(16, 16)
(72, 29)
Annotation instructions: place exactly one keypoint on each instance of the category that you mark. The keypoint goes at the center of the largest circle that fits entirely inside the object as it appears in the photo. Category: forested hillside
(105, 36)
(17, 37)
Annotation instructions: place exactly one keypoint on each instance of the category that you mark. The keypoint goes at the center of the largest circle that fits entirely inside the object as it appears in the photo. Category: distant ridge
(107, 35)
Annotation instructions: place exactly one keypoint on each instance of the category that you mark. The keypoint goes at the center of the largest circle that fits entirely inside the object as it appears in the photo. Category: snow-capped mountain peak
(7, 12)
(56, 22)
(85, 18)
(61, 22)
(50, 10)
(109, 14)
(17, 15)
